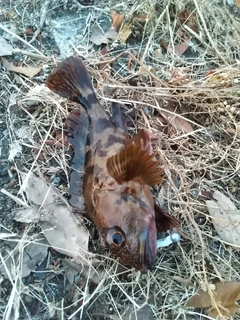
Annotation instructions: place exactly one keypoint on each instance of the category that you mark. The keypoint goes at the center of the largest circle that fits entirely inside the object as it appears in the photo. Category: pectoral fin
(136, 162)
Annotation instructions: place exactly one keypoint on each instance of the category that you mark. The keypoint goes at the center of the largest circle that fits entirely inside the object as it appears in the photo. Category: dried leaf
(163, 45)
(111, 35)
(5, 48)
(226, 218)
(38, 191)
(237, 3)
(27, 215)
(33, 254)
(103, 56)
(189, 19)
(184, 282)
(158, 53)
(143, 70)
(97, 36)
(175, 120)
(27, 71)
(225, 295)
(178, 48)
(60, 226)
(180, 76)
(140, 17)
(181, 47)
(117, 20)
(219, 77)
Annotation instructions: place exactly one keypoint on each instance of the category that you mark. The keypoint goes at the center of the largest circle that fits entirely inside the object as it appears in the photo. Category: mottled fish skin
(121, 207)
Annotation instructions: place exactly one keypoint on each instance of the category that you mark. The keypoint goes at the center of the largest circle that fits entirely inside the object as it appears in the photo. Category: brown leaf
(237, 3)
(180, 76)
(225, 295)
(60, 226)
(221, 78)
(111, 35)
(181, 47)
(97, 36)
(163, 45)
(226, 218)
(27, 71)
(145, 68)
(188, 18)
(175, 120)
(117, 20)
(140, 17)
(200, 300)
(103, 55)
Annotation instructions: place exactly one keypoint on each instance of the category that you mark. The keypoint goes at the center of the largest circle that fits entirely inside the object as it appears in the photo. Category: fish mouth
(148, 248)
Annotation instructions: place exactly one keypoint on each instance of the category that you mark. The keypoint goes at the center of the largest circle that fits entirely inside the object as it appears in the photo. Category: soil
(38, 282)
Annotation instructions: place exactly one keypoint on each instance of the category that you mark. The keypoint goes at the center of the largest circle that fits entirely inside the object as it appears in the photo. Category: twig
(31, 54)
(19, 38)
(42, 20)
(16, 199)
(208, 34)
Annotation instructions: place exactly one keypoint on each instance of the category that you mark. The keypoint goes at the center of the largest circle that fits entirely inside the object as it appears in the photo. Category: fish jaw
(139, 250)
(148, 239)
(124, 217)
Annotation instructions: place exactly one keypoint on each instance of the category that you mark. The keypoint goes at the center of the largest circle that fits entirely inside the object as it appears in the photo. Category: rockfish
(118, 171)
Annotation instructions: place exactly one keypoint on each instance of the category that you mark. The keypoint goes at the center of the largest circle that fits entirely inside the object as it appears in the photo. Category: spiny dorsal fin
(136, 162)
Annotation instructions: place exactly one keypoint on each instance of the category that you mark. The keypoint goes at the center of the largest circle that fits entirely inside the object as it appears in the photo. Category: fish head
(126, 219)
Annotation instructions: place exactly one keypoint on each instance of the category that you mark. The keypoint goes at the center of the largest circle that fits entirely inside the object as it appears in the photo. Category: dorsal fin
(77, 125)
(118, 116)
(136, 162)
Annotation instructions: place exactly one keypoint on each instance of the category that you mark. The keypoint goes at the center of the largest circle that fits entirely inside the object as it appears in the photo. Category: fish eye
(115, 237)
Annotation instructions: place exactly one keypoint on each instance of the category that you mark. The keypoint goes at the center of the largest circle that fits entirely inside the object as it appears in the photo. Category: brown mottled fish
(118, 171)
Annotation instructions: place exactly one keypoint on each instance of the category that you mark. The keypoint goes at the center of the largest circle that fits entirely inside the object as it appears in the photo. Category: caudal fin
(71, 80)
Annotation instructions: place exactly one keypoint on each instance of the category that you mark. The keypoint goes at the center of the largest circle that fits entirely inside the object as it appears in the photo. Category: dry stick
(144, 67)
(42, 20)
(138, 61)
(16, 199)
(82, 6)
(208, 34)
(31, 54)
(152, 33)
(19, 38)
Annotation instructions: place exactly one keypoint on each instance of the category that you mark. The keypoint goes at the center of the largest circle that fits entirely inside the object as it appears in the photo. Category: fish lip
(147, 249)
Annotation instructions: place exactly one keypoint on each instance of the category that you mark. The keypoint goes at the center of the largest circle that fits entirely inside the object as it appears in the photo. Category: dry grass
(206, 159)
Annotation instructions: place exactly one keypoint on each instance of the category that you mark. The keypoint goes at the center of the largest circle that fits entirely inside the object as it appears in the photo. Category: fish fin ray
(117, 116)
(136, 162)
(164, 221)
(71, 80)
(77, 125)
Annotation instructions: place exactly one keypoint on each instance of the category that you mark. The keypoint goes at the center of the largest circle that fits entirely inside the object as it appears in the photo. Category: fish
(117, 171)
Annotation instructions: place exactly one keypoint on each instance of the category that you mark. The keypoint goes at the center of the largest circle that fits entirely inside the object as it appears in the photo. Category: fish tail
(71, 80)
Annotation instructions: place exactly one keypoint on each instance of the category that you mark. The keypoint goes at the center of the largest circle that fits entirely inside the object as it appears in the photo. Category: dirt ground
(174, 68)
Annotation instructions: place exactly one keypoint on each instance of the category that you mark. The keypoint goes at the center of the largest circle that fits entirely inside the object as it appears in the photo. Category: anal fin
(164, 221)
